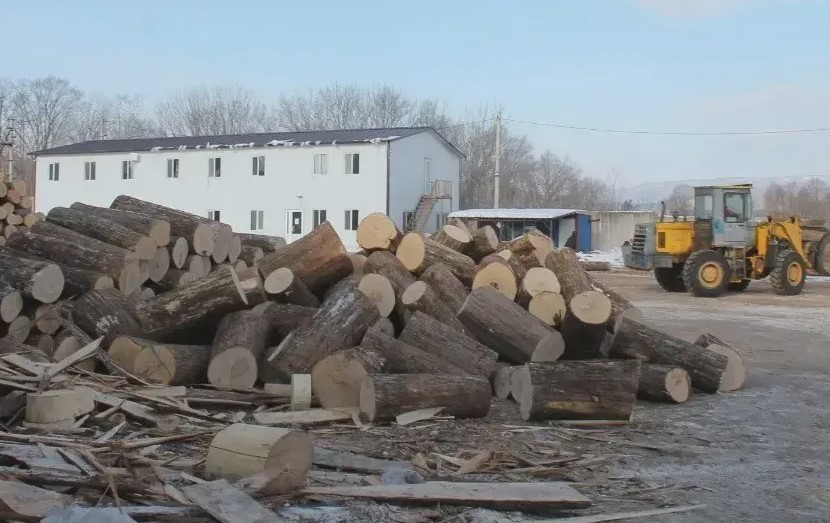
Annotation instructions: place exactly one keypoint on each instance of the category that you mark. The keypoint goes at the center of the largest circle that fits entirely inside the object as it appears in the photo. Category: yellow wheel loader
(723, 248)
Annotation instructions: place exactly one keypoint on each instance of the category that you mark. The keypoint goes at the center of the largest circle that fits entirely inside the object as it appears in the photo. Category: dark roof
(243, 140)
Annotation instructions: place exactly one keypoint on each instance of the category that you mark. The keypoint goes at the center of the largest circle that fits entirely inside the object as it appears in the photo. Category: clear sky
(676, 65)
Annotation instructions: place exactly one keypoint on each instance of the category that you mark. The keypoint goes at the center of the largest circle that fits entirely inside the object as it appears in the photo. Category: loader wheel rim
(710, 275)
(795, 273)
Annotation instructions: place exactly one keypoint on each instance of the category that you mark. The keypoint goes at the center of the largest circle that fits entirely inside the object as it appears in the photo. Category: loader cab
(722, 216)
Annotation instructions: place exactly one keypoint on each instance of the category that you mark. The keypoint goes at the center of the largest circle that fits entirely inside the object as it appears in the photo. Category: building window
(407, 220)
(321, 164)
(214, 167)
(427, 169)
(441, 220)
(734, 207)
(89, 170)
(173, 168)
(352, 219)
(258, 166)
(353, 163)
(257, 220)
(319, 217)
(127, 169)
(54, 172)
(214, 215)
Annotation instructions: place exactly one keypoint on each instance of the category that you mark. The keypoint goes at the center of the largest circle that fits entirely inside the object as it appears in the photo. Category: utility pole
(498, 162)
(103, 128)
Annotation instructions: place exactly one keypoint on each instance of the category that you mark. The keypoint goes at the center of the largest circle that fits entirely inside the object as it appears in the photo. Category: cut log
(250, 254)
(499, 276)
(47, 318)
(283, 284)
(484, 241)
(20, 186)
(378, 232)
(198, 265)
(54, 406)
(17, 330)
(417, 252)
(300, 392)
(502, 381)
(267, 243)
(458, 222)
(79, 251)
(384, 396)
(336, 378)
(449, 288)
(358, 261)
(170, 364)
(664, 383)
(124, 350)
(343, 319)
(11, 301)
(106, 313)
(620, 306)
(37, 279)
(282, 318)
(244, 450)
(319, 259)
(173, 279)
(549, 307)
(402, 358)
(595, 266)
(224, 242)
(100, 228)
(505, 327)
(386, 264)
(735, 368)
(434, 337)
(237, 349)
(385, 326)
(159, 264)
(706, 368)
(9, 230)
(79, 281)
(179, 250)
(234, 249)
(66, 345)
(529, 242)
(45, 343)
(578, 390)
(420, 297)
(378, 289)
(158, 230)
(456, 238)
(535, 281)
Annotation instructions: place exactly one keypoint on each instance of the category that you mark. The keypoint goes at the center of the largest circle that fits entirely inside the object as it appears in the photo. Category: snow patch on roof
(515, 214)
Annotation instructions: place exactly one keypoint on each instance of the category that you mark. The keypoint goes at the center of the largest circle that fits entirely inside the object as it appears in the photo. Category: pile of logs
(411, 322)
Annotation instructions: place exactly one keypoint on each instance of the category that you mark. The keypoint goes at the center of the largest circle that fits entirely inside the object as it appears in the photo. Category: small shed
(558, 224)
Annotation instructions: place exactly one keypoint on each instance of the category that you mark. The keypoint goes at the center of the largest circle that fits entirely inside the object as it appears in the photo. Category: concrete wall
(609, 229)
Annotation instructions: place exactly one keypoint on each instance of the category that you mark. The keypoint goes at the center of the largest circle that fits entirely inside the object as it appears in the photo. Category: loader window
(703, 206)
(734, 207)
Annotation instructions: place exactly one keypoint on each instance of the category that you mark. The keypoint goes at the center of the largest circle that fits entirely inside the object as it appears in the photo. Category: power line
(673, 133)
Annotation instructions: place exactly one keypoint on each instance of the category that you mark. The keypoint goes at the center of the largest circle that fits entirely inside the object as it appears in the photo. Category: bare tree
(553, 181)
(810, 199)
(212, 111)
(119, 116)
(681, 199)
(44, 110)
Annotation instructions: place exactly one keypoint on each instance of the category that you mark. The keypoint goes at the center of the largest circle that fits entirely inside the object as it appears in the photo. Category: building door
(293, 225)
(735, 218)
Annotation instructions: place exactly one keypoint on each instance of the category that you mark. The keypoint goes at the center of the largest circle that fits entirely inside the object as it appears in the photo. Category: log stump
(237, 350)
(664, 383)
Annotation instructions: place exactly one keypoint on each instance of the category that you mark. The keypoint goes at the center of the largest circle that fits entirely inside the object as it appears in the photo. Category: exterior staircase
(441, 190)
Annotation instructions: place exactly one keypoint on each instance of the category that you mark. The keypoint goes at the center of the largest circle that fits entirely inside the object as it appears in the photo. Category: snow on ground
(614, 256)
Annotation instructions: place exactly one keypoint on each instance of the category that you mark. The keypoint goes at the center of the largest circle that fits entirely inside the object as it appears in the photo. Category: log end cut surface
(47, 284)
(735, 374)
(10, 306)
(377, 231)
(379, 290)
(591, 307)
(233, 368)
(499, 276)
(411, 251)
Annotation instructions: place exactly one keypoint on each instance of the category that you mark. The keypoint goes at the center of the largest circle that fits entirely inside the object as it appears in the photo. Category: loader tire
(788, 275)
(706, 274)
(670, 278)
(739, 286)
(823, 255)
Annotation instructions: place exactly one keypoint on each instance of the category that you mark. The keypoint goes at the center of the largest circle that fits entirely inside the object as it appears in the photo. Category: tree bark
(11, 301)
(237, 350)
(455, 238)
(102, 229)
(402, 358)
(319, 259)
(531, 241)
(417, 253)
(158, 230)
(47, 240)
(620, 306)
(170, 364)
(106, 313)
(79, 281)
(282, 318)
(384, 325)
(378, 232)
(341, 323)
(234, 249)
(449, 344)
(664, 383)
(250, 254)
(358, 261)
(706, 368)
(384, 396)
(173, 279)
(449, 288)
(603, 390)
(420, 297)
(387, 264)
(484, 242)
(287, 288)
(501, 380)
(458, 222)
(37, 279)
(499, 276)
(595, 266)
(505, 327)
(735, 367)
(268, 244)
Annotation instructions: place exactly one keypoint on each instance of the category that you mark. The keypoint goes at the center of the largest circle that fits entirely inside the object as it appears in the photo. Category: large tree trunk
(173, 279)
(106, 313)
(436, 338)
(417, 252)
(402, 358)
(446, 285)
(635, 340)
(578, 390)
(455, 238)
(268, 244)
(384, 396)
(100, 228)
(620, 306)
(319, 259)
(735, 368)
(250, 254)
(664, 383)
(336, 378)
(288, 288)
(158, 230)
(484, 242)
(47, 240)
(505, 327)
(342, 321)
(189, 313)
(79, 281)
(282, 318)
(170, 364)
(386, 264)
(378, 232)
(237, 350)
(37, 279)
(531, 242)
(420, 297)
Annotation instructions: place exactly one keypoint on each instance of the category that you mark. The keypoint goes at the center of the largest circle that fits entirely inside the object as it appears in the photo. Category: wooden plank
(22, 502)
(137, 411)
(518, 496)
(616, 516)
(355, 462)
(417, 415)
(228, 504)
(303, 417)
(36, 369)
(163, 392)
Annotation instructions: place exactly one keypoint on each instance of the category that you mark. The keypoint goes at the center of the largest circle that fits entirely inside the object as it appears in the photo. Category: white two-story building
(271, 183)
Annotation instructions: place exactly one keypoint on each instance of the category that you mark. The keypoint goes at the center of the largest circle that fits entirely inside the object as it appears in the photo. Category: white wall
(407, 183)
(610, 229)
(288, 184)
(566, 227)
